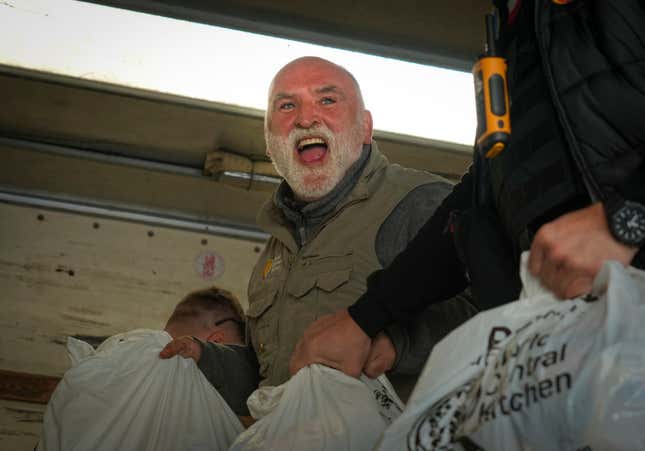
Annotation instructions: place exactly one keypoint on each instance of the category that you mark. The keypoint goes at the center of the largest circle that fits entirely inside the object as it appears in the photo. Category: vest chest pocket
(301, 285)
(329, 281)
(327, 272)
(317, 294)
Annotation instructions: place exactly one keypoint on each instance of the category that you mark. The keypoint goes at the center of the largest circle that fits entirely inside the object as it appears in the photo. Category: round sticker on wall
(209, 265)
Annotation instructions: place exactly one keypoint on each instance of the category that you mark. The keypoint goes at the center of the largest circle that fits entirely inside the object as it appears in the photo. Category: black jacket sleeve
(426, 272)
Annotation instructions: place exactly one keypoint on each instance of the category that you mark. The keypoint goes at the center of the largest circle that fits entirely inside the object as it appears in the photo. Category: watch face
(628, 224)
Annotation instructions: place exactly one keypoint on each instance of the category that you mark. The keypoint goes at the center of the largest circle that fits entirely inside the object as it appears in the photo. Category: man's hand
(183, 346)
(381, 357)
(333, 340)
(568, 252)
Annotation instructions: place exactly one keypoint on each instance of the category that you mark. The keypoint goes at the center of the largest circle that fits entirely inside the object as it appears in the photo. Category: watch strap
(612, 203)
(639, 259)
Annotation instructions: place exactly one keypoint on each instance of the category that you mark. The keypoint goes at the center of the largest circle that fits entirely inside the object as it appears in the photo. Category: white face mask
(313, 182)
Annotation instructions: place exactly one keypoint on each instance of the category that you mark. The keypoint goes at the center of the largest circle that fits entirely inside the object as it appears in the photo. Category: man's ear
(268, 152)
(217, 336)
(367, 127)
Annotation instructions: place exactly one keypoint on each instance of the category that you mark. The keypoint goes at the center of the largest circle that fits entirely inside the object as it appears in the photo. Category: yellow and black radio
(491, 94)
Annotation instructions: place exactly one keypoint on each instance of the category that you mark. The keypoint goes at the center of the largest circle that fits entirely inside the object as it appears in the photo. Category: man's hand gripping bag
(537, 374)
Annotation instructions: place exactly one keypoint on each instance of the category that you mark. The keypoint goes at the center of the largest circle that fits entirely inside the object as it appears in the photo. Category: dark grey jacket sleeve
(232, 370)
(413, 340)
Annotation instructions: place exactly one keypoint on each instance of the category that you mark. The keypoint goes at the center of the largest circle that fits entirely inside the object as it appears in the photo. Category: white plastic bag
(124, 397)
(320, 409)
(537, 374)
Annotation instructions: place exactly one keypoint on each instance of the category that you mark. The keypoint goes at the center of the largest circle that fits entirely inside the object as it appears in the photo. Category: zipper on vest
(302, 235)
(593, 188)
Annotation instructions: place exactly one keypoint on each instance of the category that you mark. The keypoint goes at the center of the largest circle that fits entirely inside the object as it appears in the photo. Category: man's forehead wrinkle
(330, 88)
(321, 90)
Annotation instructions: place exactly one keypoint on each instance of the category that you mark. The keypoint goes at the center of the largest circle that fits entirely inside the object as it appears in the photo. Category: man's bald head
(310, 62)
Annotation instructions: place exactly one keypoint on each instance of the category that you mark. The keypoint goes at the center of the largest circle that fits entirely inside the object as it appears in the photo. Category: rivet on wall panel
(70, 272)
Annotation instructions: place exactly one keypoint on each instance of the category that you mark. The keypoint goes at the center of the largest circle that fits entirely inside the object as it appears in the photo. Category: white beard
(313, 182)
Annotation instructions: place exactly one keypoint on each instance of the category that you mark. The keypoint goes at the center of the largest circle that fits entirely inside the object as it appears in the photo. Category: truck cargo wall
(65, 274)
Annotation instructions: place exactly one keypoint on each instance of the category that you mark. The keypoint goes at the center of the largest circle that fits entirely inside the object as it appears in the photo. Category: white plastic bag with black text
(537, 374)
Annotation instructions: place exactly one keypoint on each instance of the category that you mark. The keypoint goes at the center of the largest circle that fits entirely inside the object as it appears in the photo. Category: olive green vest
(291, 287)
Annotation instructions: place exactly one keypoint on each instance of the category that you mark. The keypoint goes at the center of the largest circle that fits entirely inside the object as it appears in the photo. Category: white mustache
(321, 131)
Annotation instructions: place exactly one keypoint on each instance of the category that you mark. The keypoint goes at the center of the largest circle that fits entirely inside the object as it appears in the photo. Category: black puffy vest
(577, 111)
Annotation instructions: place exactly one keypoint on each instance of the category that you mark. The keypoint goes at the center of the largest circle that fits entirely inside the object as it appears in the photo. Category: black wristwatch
(626, 220)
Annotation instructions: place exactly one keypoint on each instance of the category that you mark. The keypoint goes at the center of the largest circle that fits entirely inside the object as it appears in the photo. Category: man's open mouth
(312, 149)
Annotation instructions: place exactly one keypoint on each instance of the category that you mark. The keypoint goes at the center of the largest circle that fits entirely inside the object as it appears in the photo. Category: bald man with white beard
(342, 212)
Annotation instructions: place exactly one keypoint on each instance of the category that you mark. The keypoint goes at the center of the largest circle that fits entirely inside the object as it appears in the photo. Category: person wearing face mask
(123, 396)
